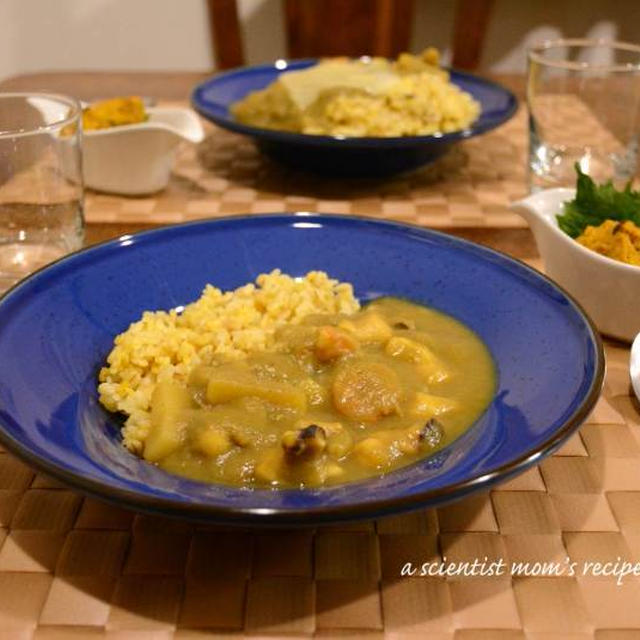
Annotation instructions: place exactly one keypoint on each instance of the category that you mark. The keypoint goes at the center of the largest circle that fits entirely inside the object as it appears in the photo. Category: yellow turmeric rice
(167, 345)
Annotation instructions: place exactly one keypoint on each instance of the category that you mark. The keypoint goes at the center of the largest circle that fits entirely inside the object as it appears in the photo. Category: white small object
(634, 366)
(136, 159)
(609, 290)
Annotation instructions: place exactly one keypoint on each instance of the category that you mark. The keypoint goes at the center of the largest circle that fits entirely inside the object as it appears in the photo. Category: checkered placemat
(74, 567)
(471, 186)
(225, 175)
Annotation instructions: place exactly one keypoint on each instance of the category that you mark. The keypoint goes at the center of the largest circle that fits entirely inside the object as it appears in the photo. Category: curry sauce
(339, 398)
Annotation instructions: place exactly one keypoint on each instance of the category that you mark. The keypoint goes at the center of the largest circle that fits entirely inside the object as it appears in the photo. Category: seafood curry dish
(332, 398)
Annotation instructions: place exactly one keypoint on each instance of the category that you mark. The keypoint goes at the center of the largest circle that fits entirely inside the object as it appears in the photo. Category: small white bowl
(634, 366)
(136, 159)
(609, 290)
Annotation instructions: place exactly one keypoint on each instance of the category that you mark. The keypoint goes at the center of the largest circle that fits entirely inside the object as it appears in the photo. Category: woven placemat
(74, 567)
(471, 186)
(225, 175)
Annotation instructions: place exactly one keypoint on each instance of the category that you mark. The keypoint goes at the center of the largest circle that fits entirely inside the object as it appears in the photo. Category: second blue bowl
(359, 157)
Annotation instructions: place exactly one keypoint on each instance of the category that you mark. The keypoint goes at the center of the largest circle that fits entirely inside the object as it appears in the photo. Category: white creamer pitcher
(136, 159)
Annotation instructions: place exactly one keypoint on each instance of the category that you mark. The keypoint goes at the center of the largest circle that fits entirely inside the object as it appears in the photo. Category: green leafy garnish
(594, 204)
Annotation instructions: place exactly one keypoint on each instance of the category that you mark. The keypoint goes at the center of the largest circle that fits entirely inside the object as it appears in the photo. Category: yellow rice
(415, 105)
(167, 345)
(411, 96)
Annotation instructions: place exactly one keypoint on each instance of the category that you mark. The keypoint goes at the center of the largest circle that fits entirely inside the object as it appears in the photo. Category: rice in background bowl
(411, 96)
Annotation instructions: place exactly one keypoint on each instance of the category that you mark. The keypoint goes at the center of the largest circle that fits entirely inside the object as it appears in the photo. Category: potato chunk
(409, 350)
(427, 405)
(428, 363)
(296, 338)
(270, 468)
(366, 390)
(170, 404)
(372, 452)
(339, 444)
(276, 467)
(225, 386)
(368, 326)
(213, 441)
(379, 451)
(199, 376)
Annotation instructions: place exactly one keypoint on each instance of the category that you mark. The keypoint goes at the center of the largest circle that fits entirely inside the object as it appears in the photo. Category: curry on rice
(291, 383)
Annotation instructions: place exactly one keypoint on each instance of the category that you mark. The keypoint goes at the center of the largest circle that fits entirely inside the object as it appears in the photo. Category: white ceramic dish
(608, 290)
(634, 366)
(136, 159)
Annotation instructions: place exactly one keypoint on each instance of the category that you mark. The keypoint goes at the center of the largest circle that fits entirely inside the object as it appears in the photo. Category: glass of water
(41, 190)
(584, 106)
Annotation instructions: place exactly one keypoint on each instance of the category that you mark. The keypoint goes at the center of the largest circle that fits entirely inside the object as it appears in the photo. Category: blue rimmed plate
(345, 156)
(57, 327)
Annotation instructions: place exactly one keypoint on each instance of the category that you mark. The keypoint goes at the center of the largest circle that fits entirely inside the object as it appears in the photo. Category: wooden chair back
(317, 28)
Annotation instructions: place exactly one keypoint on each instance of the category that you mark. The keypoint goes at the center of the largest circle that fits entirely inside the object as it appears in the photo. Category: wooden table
(74, 567)
(177, 87)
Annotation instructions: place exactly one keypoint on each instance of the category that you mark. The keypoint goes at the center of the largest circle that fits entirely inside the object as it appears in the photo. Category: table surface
(440, 206)
(73, 567)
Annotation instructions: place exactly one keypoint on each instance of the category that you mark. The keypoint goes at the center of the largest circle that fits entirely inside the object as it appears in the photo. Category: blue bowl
(57, 327)
(360, 157)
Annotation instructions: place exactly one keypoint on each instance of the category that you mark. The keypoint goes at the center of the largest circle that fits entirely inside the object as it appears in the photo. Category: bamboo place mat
(73, 567)
(225, 175)
(471, 186)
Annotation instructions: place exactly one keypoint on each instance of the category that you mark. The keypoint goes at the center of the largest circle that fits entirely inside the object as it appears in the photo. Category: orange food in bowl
(614, 239)
(113, 113)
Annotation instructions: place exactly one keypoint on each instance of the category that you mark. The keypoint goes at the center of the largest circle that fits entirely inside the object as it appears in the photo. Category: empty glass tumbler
(41, 189)
(584, 106)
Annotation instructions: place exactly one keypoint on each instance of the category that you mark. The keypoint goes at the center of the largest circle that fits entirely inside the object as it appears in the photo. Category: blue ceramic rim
(347, 143)
(307, 516)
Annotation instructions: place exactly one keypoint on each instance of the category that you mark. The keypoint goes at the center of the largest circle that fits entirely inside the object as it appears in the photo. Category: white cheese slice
(305, 85)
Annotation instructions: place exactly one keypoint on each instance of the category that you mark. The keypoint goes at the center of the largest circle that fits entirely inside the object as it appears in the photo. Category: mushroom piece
(309, 442)
(431, 433)
(404, 325)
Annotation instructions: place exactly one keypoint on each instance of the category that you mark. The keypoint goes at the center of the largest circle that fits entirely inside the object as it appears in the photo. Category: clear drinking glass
(584, 106)
(41, 190)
